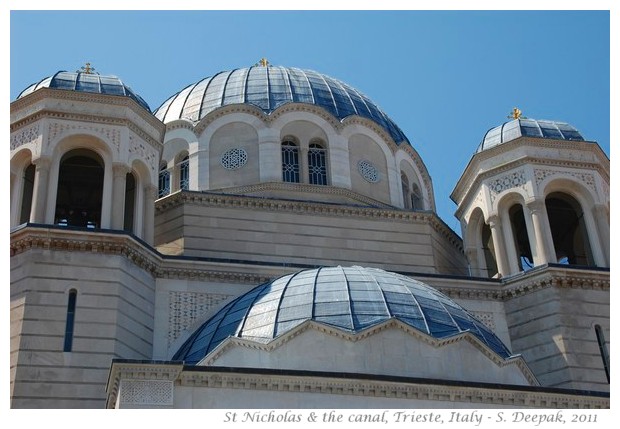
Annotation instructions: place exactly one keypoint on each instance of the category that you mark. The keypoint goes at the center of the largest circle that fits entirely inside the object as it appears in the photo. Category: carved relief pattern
(145, 153)
(512, 180)
(25, 136)
(486, 318)
(368, 171)
(186, 307)
(146, 392)
(585, 178)
(108, 134)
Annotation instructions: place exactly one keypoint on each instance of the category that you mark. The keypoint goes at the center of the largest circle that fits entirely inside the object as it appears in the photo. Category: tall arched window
(27, 192)
(184, 173)
(404, 183)
(80, 189)
(70, 320)
(488, 250)
(416, 198)
(164, 181)
(600, 338)
(290, 162)
(521, 238)
(568, 229)
(130, 201)
(317, 164)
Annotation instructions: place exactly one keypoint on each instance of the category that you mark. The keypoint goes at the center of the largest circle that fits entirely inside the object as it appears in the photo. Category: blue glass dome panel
(528, 128)
(269, 88)
(86, 82)
(348, 298)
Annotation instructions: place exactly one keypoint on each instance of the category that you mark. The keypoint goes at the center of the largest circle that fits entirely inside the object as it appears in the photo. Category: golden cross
(87, 69)
(516, 113)
(263, 62)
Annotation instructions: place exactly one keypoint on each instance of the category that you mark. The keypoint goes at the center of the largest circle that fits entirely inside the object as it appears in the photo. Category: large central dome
(269, 87)
(348, 298)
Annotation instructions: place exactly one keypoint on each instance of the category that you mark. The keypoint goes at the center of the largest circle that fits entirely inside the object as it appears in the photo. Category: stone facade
(186, 216)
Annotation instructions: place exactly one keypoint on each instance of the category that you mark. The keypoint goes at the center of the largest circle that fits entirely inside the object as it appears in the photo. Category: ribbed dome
(516, 128)
(86, 82)
(269, 87)
(348, 298)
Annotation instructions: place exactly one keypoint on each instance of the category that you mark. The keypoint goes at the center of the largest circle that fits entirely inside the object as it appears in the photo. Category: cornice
(107, 99)
(233, 342)
(409, 389)
(212, 199)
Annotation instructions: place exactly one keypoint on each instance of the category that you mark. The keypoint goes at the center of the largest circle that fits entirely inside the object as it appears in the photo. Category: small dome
(269, 87)
(86, 82)
(348, 298)
(516, 128)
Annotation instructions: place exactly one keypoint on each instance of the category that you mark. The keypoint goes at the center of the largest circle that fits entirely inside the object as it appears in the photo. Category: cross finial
(87, 69)
(516, 113)
(263, 62)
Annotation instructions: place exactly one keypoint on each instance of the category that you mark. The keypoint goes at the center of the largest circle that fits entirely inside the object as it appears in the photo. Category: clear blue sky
(445, 77)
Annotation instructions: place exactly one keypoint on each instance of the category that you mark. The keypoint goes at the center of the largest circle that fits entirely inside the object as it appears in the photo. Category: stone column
(499, 245)
(119, 182)
(543, 240)
(599, 211)
(40, 190)
(150, 194)
(17, 184)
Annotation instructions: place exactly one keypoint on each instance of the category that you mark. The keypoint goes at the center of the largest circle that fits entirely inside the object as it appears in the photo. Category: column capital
(535, 204)
(42, 162)
(119, 169)
(494, 221)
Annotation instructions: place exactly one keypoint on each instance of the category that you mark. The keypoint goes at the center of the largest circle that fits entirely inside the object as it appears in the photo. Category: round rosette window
(234, 158)
(368, 171)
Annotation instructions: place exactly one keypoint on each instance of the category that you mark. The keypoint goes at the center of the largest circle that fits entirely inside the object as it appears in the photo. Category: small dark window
(184, 176)
(164, 181)
(600, 337)
(70, 321)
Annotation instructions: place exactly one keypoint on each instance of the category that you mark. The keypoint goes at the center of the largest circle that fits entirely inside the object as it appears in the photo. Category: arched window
(70, 320)
(568, 229)
(521, 238)
(27, 191)
(317, 164)
(164, 181)
(80, 189)
(290, 162)
(184, 173)
(404, 183)
(600, 338)
(416, 198)
(489, 251)
(130, 201)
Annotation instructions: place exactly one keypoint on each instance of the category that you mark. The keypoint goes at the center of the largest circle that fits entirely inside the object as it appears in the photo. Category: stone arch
(364, 149)
(418, 195)
(21, 185)
(480, 249)
(571, 211)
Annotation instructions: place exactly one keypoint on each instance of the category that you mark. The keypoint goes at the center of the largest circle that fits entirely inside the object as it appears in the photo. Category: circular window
(368, 171)
(234, 158)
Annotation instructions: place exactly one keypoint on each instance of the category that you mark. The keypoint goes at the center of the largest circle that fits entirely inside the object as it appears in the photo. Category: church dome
(269, 87)
(86, 82)
(523, 127)
(348, 298)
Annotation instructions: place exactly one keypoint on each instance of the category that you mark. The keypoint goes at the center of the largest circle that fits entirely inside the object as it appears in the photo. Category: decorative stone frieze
(57, 129)
(144, 152)
(585, 178)
(187, 307)
(486, 318)
(147, 392)
(25, 136)
(515, 179)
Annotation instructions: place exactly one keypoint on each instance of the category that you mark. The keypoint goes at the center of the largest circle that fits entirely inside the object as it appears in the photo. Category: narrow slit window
(600, 337)
(70, 320)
